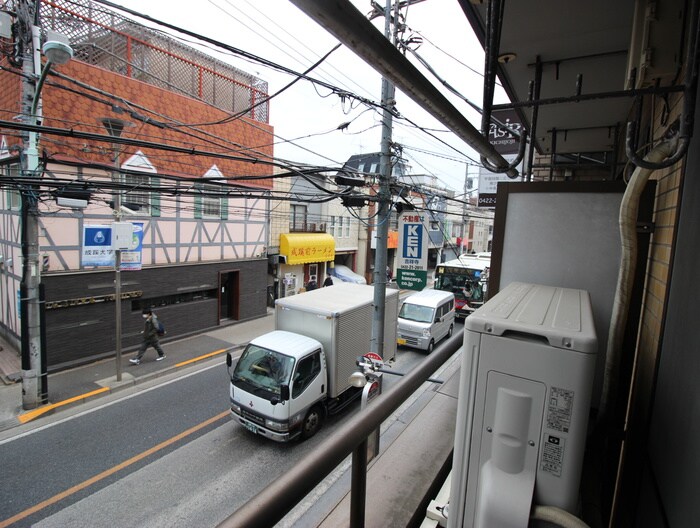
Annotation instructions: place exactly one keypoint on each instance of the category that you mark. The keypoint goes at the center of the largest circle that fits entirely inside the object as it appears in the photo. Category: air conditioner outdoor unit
(526, 379)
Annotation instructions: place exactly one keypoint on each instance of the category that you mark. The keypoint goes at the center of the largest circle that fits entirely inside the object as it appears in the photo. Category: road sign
(97, 246)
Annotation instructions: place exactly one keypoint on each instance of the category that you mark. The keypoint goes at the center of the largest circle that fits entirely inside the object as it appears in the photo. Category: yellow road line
(100, 476)
(35, 413)
(30, 415)
(199, 358)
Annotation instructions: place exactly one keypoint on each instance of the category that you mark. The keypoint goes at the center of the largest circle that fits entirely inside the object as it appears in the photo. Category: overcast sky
(278, 31)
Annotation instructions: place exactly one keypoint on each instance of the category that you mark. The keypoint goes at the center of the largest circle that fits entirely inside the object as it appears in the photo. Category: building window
(331, 226)
(14, 200)
(142, 185)
(137, 196)
(298, 220)
(347, 228)
(339, 231)
(209, 204)
(13, 197)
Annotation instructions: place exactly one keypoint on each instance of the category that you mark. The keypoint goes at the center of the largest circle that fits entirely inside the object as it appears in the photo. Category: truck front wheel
(312, 422)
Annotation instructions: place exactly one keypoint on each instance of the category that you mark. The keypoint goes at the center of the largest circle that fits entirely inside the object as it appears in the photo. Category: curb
(48, 409)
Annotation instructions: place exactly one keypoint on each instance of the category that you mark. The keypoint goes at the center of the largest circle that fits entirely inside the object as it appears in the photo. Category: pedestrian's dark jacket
(150, 330)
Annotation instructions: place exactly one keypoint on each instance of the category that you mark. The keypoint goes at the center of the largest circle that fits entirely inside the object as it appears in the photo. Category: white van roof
(429, 297)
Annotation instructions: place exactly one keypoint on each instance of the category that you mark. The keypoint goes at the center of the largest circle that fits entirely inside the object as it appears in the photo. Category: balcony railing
(279, 498)
(103, 38)
(308, 227)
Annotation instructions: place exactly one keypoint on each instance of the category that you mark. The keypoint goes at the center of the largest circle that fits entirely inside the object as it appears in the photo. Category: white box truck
(288, 380)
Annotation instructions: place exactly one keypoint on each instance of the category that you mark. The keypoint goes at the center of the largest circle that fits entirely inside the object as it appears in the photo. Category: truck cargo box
(340, 318)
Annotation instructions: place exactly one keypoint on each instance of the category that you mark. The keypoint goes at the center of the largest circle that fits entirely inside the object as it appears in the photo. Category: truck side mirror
(284, 392)
(229, 359)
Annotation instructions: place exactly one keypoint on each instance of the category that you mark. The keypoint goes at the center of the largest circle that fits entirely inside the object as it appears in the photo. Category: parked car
(345, 274)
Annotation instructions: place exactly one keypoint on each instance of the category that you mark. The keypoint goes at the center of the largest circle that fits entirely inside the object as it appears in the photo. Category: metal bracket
(686, 120)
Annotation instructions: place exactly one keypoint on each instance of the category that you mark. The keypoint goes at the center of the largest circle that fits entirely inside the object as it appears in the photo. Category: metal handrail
(271, 505)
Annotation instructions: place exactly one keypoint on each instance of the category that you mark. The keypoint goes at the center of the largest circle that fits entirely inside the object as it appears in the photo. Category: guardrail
(271, 505)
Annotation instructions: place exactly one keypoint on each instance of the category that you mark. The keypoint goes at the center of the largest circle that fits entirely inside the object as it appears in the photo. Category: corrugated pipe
(628, 235)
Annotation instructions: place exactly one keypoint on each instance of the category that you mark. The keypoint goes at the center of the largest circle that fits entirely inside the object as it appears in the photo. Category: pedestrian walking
(150, 337)
(311, 285)
(328, 281)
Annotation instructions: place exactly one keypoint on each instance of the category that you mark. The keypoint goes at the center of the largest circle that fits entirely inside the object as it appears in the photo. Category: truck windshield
(263, 368)
(414, 312)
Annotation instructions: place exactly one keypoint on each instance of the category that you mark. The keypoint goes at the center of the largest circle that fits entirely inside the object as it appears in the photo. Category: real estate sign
(412, 262)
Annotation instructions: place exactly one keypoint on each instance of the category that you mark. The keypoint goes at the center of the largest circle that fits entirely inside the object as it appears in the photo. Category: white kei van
(425, 318)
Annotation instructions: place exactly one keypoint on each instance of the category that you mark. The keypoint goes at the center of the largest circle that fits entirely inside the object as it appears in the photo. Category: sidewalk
(78, 385)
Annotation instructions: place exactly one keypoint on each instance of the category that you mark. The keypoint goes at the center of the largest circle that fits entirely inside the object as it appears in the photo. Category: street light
(115, 127)
(34, 378)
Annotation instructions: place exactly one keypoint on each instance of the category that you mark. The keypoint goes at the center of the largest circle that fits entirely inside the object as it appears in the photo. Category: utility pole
(384, 195)
(34, 391)
(33, 342)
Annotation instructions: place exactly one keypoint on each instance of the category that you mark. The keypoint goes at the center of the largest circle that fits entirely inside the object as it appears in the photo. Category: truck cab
(278, 386)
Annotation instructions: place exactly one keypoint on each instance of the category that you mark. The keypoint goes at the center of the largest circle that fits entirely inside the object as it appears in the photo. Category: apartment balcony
(308, 227)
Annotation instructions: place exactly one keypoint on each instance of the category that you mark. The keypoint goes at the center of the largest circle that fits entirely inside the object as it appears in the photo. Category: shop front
(303, 257)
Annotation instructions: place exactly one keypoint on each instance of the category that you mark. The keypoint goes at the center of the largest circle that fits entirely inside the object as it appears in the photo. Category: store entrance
(228, 295)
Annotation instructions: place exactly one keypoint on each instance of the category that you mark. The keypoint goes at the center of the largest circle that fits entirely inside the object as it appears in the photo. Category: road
(166, 456)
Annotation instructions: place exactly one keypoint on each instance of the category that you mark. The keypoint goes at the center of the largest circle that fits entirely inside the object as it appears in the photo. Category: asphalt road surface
(168, 455)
